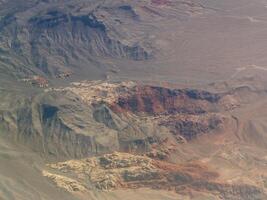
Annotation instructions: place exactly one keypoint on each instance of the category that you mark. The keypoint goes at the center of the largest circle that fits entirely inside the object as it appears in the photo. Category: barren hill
(144, 99)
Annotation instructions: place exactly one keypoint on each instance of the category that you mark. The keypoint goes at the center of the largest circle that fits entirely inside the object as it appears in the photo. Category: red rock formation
(158, 100)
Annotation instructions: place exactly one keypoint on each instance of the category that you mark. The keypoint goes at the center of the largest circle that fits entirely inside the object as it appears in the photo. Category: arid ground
(133, 99)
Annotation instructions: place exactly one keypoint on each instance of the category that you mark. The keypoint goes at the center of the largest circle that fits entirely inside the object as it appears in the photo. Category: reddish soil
(158, 100)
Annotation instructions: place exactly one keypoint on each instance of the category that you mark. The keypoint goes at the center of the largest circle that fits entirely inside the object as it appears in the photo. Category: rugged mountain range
(50, 38)
(145, 99)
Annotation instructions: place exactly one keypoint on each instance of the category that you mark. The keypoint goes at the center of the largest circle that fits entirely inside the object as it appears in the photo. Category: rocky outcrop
(158, 100)
(189, 127)
(88, 118)
(121, 170)
(186, 113)
(67, 183)
(151, 100)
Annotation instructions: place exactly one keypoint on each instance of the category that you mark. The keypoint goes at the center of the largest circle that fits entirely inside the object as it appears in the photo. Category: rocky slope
(128, 116)
(191, 126)
(157, 125)
(43, 38)
(48, 38)
(120, 170)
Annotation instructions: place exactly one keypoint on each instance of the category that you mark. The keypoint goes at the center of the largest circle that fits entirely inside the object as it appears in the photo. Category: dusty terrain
(120, 99)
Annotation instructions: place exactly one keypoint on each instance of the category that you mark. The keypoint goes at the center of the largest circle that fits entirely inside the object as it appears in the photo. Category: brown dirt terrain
(120, 170)
(203, 127)
(179, 90)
